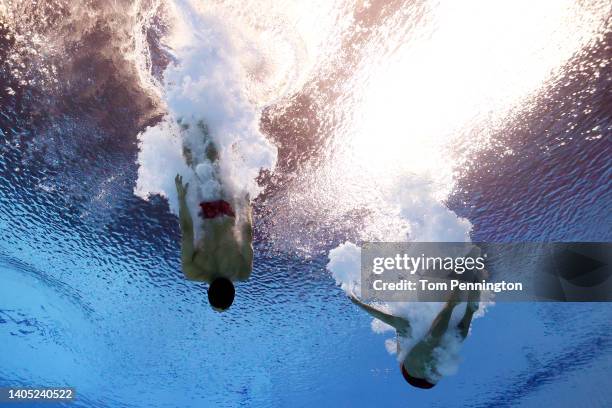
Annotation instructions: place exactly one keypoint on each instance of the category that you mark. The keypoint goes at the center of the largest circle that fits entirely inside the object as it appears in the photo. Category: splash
(206, 104)
(429, 93)
(426, 97)
(344, 265)
(230, 60)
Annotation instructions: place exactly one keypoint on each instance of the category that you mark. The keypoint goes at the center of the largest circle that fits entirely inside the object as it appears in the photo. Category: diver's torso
(420, 361)
(219, 251)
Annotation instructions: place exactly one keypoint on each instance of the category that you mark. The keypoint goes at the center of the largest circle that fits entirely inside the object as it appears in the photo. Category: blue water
(100, 304)
(103, 322)
(92, 297)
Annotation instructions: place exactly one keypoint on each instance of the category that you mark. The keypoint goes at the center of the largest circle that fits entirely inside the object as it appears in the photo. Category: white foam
(428, 219)
(344, 264)
(205, 87)
(231, 59)
(422, 104)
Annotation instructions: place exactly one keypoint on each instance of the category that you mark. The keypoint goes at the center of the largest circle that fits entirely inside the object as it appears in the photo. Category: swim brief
(214, 209)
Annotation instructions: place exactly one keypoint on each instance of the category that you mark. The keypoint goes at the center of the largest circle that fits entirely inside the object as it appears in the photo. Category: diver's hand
(351, 295)
(180, 188)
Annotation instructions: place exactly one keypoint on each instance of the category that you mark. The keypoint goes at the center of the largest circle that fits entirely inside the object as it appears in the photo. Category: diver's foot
(454, 298)
(473, 302)
(351, 295)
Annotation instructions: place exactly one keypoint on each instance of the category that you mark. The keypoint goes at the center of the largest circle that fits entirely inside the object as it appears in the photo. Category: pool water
(91, 291)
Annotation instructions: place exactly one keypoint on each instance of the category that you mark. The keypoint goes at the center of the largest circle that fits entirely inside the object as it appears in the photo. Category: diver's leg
(440, 323)
(211, 153)
(211, 150)
(188, 155)
(206, 151)
(470, 309)
(464, 324)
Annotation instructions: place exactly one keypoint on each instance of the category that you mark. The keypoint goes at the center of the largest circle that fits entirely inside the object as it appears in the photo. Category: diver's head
(414, 381)
(221, 293)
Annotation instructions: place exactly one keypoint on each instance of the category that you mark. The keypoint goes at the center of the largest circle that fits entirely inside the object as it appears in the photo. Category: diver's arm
(247, 242)
(400, 324)
(187, 245)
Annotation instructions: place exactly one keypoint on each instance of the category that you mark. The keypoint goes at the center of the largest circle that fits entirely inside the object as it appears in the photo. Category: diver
(419, 365)
(224, 253)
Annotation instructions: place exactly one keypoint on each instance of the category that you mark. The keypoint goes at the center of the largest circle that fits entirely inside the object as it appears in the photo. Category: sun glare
(470, 61)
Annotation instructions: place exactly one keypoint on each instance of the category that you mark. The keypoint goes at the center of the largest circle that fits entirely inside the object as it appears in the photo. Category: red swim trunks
(213, 209)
